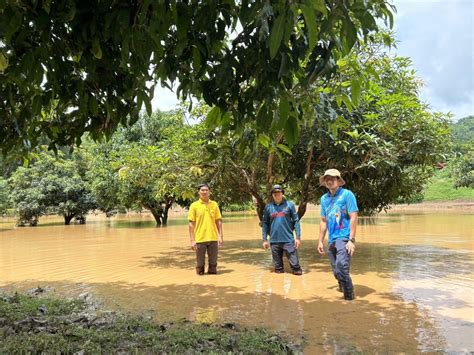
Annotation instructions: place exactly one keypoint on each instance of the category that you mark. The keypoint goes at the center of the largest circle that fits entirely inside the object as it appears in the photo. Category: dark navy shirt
(279, 221)
(336, 209)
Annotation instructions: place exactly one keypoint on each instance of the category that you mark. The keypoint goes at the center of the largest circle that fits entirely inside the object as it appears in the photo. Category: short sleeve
(351, 202)
(323, 208)
(192, 213)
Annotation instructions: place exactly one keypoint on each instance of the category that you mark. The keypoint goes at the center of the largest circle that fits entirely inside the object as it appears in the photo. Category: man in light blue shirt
(338, 218)
(279, 221)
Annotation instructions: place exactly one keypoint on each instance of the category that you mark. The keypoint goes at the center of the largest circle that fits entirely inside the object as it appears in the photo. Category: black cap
(276, 188)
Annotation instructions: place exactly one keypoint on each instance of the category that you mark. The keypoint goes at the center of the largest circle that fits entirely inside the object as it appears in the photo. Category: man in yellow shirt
(205, 230)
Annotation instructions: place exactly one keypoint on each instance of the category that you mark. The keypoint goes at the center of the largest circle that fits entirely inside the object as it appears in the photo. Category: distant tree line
(462, 165)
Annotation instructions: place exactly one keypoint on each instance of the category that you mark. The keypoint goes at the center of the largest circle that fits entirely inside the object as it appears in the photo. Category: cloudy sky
(439, 37)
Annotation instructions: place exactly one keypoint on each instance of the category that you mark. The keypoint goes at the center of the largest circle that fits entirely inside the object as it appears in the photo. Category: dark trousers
(277, 255)
(341, 262)
(211, 248)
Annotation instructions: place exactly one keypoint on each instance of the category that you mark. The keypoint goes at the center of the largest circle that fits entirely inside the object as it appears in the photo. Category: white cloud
(439, 37)
(164, 99)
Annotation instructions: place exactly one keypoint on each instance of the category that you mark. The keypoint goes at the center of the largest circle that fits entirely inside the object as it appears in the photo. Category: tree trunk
(306, 183)
(260, 207)
(168, 205)
(68, 218)
(157, 214)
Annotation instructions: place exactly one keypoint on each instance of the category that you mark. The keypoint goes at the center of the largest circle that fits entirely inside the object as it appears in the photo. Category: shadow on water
(247, 252)
(322, 325)
(414, 261)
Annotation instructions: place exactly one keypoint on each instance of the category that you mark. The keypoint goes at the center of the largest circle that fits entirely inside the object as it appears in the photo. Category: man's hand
(221, 240)
(265, 244)
(193, 245)
(350, 247)
(297, 243)
(321, 248)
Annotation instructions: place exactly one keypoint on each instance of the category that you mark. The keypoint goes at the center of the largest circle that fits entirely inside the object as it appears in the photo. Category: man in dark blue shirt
(279, 221)
(338, 218)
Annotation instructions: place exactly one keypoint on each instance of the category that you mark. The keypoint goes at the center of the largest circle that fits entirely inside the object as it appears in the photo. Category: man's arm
(191, 235)
(296, 223)
(219, 231)
(350, 246)
(323, 227)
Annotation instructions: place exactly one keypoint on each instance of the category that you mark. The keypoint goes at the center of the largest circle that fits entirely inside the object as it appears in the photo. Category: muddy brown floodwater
(413, 274)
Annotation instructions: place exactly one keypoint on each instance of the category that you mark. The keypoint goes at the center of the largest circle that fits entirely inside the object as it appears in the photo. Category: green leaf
(320, 6)
(351, 35)
(277, 34)
(47, 6)
(93, 105)
(291, 131)
(96, 50)
(284, 148)
(124, 53)
(213, 117)
(347, 102)
(354, 134)
(355, 91)
(37, 102)
(264, 140)
(311, 24)
(196, 58)
(3, 62)
(147, 102)
(284, 111)
(264, 118)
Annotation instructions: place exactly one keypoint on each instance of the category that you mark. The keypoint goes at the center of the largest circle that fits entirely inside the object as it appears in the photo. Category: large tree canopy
(386, 147)
(51, 185)
(74, 66)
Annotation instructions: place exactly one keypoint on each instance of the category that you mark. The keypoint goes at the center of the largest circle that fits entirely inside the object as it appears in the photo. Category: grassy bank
(440, 188)
(32, 324)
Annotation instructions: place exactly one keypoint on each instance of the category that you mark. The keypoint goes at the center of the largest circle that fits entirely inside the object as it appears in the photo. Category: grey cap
(276, 188)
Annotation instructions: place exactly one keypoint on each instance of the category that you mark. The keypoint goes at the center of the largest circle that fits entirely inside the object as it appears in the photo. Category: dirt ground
(464, 205)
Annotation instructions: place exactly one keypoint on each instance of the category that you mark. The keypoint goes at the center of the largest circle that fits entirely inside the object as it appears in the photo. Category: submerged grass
(32, 324)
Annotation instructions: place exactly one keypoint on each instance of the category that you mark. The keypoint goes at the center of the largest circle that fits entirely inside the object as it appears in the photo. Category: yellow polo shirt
(204, 216)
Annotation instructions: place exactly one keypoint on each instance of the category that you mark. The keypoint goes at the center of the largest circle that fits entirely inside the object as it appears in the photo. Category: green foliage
(441, 188)
(238, 207)
(463, 131)
(153, 164)
(4, 195)
(386, 144)
(94, 75)
(50, 185)
(462, 168)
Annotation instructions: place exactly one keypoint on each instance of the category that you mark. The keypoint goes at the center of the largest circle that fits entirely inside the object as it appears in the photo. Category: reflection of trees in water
(414, 261)
(366, 220)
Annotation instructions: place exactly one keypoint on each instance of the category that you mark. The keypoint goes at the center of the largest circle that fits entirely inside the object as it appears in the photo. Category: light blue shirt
(336, 209)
